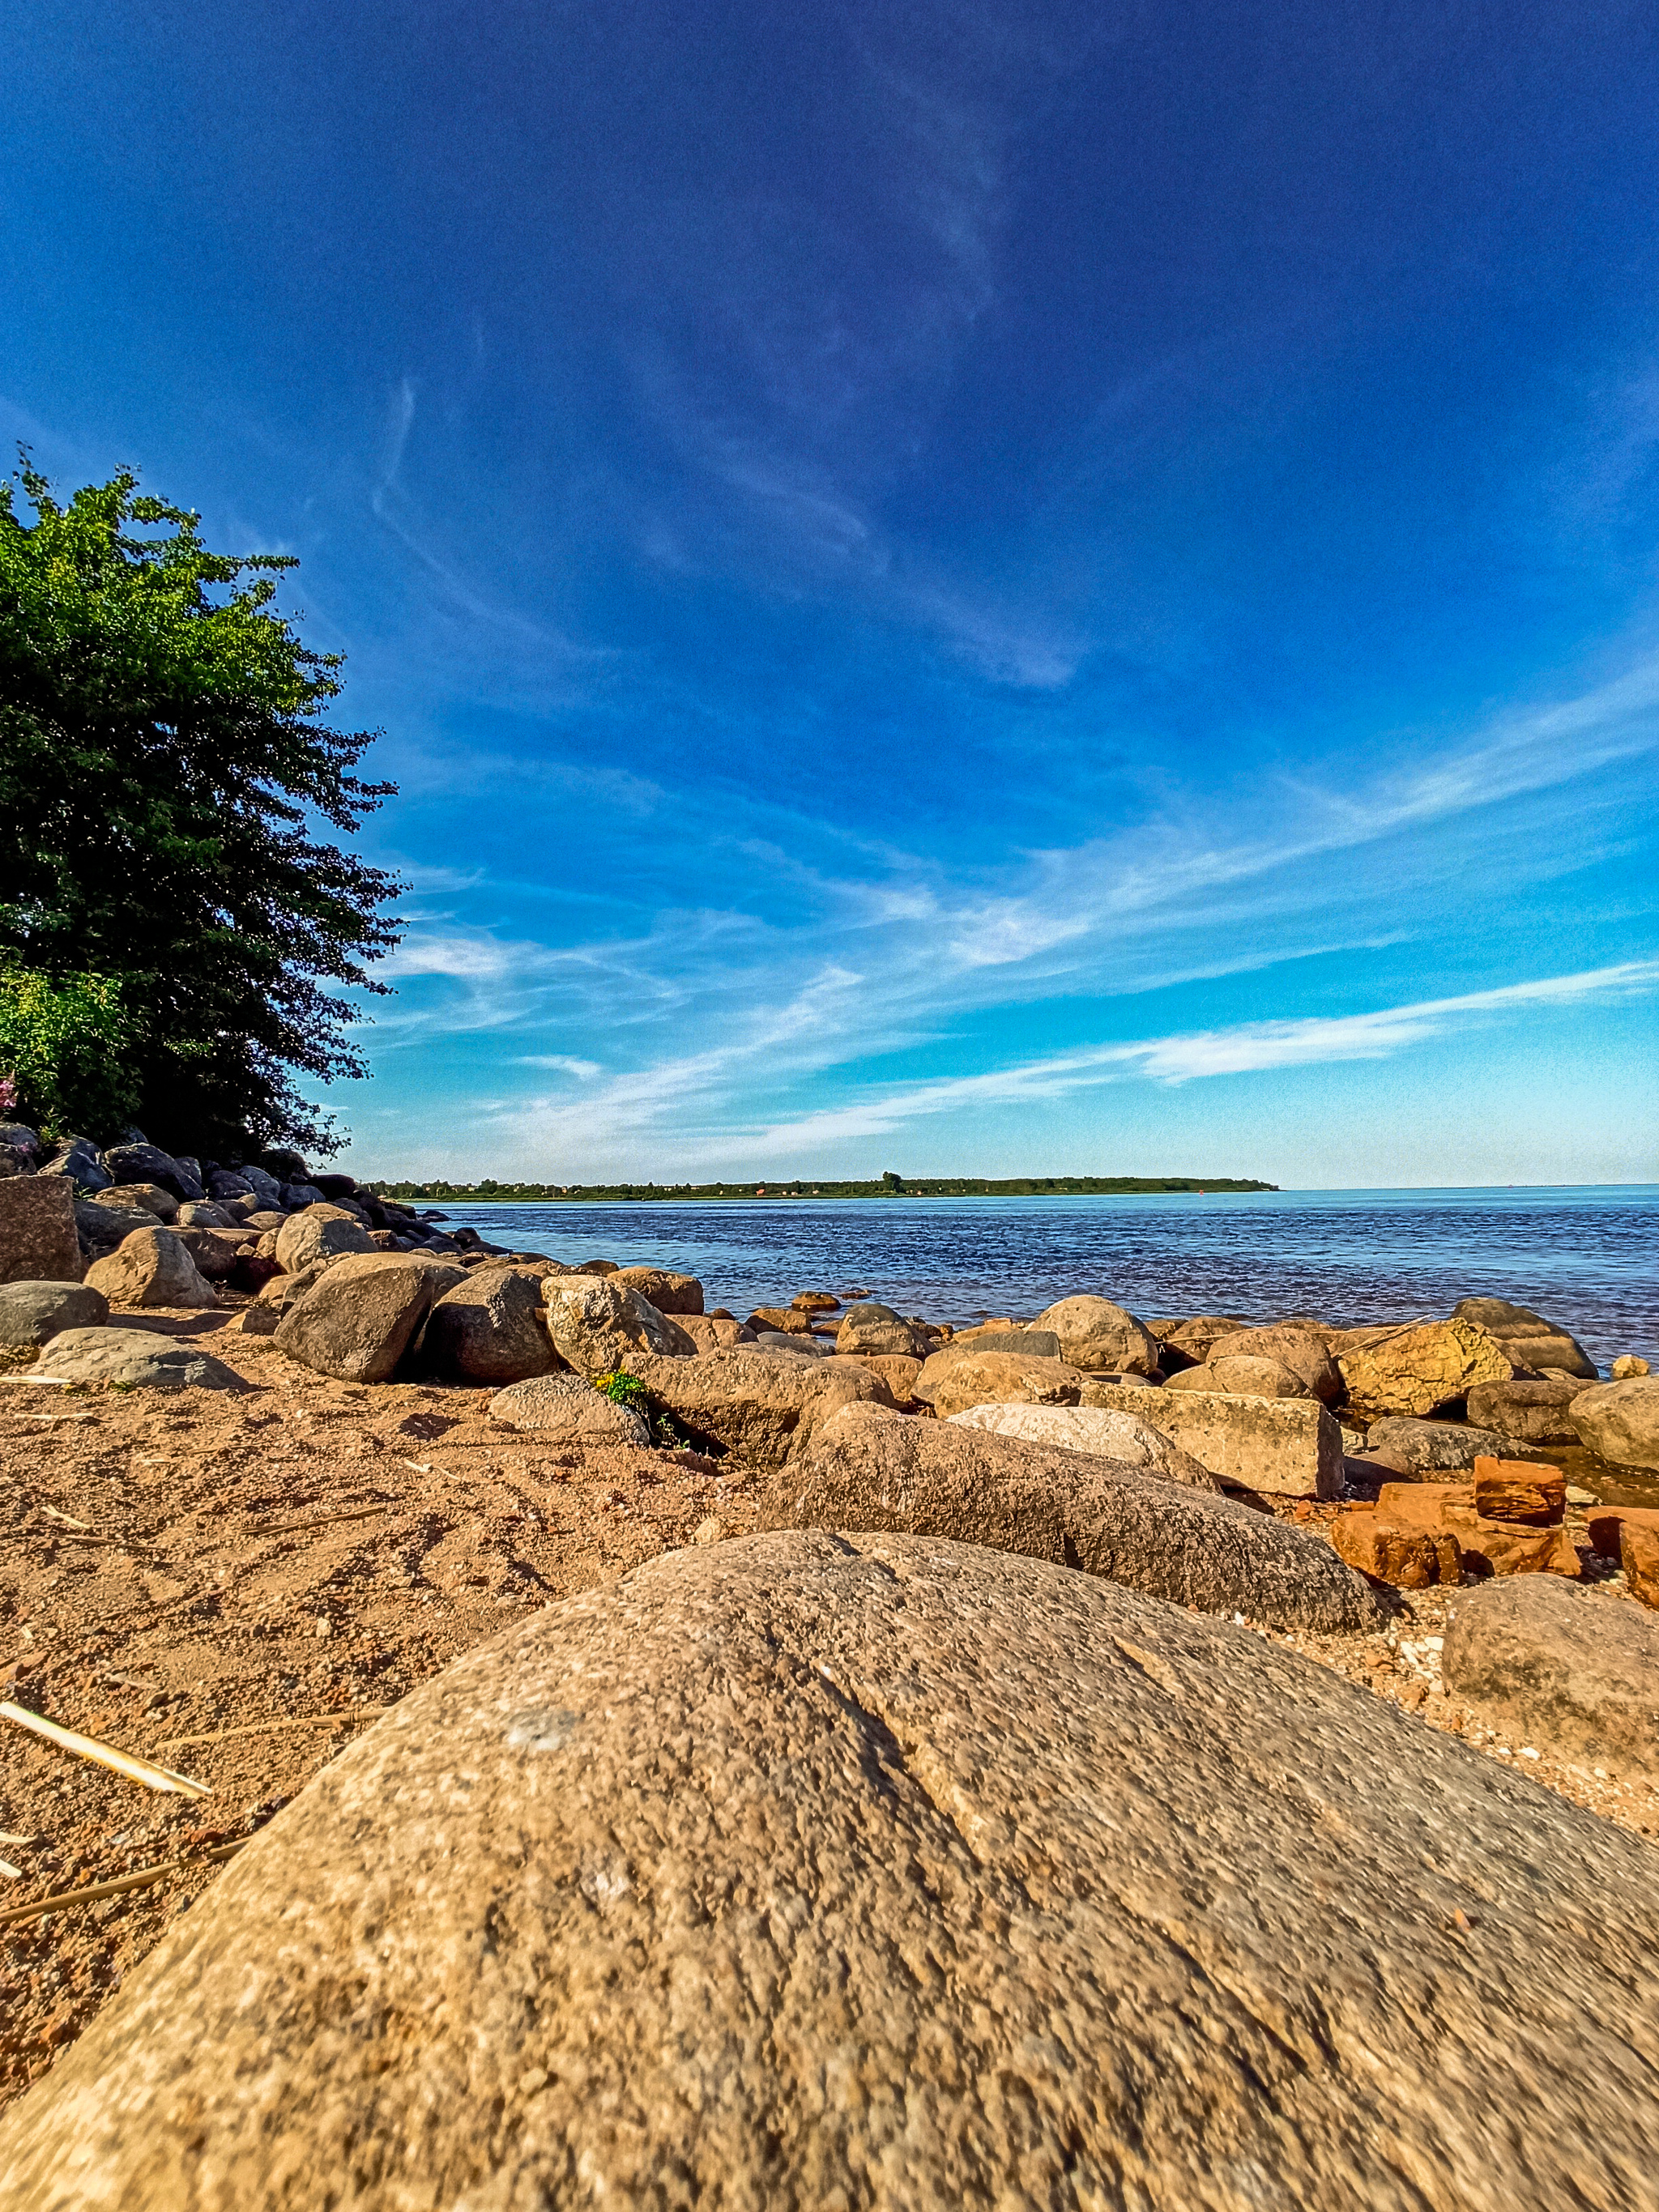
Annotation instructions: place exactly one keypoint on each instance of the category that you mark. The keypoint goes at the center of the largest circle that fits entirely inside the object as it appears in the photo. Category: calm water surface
(1588, 1257)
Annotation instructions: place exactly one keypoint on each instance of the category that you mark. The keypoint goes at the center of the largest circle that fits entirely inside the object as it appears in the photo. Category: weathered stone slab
(871, 1469)
(38, 1242)
(811, 1871)
(1288, 1447)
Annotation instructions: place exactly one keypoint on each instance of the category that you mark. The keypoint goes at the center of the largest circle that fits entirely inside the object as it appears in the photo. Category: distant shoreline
(494, 1193)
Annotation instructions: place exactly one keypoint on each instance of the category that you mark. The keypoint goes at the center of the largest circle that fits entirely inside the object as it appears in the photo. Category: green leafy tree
(165, 770)
(62, 1052)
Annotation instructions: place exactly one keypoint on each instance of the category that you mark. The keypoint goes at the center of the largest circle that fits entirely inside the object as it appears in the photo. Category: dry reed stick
(104, 1754)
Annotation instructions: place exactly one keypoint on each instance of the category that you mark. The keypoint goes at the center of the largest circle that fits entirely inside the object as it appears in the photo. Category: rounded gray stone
(806, 1871)
(30, 1313)
(1621, 1420)
(563, 1405)
(133, 1357)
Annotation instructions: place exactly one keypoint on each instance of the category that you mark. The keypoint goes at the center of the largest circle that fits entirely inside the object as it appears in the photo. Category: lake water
(1588, 1257)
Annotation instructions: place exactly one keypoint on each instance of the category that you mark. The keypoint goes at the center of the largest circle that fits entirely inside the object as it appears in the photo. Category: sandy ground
(179, 1572)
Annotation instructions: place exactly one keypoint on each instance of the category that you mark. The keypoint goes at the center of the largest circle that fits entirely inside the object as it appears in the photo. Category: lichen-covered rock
(595, 1323)
(1417, 1368)
(152, 1267)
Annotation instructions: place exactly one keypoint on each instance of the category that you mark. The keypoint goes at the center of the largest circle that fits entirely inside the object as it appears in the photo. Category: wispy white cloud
(1247, 1047)
(583, 1070)
(722, 1009)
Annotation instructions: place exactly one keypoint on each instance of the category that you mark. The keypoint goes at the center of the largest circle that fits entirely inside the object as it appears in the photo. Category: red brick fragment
(1520, 1491)
(1607, 1521)
(1639, 1555)
(1409, 1558)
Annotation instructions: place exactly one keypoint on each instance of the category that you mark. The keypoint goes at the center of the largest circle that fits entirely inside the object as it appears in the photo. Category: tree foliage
(64, 1050)
(166, 780)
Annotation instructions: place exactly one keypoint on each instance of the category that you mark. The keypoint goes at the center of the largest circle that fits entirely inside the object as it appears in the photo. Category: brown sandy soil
(304, 1553)
(308, 1548)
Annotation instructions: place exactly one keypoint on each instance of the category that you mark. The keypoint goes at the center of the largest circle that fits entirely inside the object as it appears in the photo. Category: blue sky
(984, 589)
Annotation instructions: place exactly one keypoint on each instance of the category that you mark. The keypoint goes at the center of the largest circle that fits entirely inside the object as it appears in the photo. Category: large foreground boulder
(1419, 1367)
(32, 1313)
(1099, 1337)
(1288, 1447)
(134, 1358)
(1526, 1337)
(1619, 1421)
(152, 1267)
(1093, 1429)
(761, 1408)
(359, 1317)
(811, 1871)
(490, 1327)
(563, 1407)
(869, 1470)
(595, 1323)
(1563, 1668)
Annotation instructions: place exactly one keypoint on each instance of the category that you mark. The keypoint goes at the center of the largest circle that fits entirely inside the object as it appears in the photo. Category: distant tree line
(889, 1185)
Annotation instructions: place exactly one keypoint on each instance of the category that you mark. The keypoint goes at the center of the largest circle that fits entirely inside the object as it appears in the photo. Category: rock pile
(363, 1290)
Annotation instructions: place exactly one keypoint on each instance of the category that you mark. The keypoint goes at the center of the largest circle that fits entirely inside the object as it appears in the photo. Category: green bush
(62, 1053)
